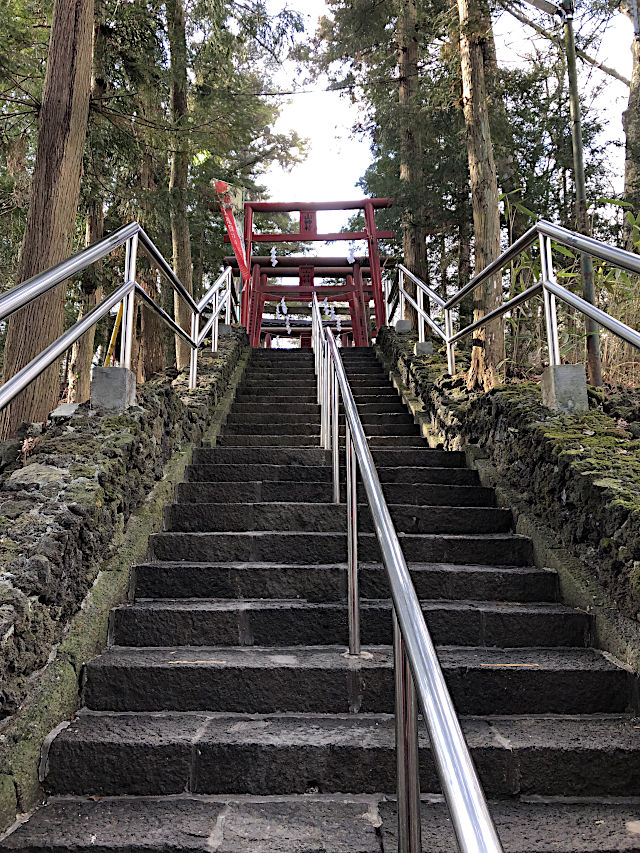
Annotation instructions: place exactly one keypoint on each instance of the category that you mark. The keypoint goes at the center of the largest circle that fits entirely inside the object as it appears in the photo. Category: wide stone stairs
(226, 714)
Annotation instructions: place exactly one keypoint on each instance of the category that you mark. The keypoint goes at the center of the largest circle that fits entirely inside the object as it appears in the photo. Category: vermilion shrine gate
(362, 276)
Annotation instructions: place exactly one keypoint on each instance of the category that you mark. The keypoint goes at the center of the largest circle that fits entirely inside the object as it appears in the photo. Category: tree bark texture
(54, 201)
(488, 349)
(82, 352)
(631, 124)
(79, 374)
(414, 232)
(150, 353)
(180, 237)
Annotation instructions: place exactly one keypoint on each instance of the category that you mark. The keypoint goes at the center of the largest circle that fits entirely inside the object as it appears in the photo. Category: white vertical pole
(193, 367)
(130, 303)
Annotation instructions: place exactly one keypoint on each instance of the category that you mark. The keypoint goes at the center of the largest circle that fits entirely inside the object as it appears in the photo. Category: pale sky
(338, 157)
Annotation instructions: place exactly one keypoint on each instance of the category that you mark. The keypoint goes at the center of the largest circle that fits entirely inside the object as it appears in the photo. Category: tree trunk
(631, 124)
(414, 233)
(179, 172)
(150, 355)
(54, 202)
(465, 308)
(79, 374)
(82, 352)
(488, 349)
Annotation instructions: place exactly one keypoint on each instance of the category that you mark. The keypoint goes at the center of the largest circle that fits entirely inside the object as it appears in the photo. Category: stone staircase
(226, 716)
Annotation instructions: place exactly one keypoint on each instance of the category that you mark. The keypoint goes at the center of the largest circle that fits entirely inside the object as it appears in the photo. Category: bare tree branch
(548, 35)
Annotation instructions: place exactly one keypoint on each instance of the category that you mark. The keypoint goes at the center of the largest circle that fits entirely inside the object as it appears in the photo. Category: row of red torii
(362, 276)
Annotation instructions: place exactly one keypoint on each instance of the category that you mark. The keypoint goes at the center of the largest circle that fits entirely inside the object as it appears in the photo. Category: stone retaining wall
(578, 474)
(74, 515)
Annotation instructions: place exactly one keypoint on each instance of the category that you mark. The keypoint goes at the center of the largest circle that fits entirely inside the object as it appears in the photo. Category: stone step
(329, 582)
(306, 428)
(284, 396)
(265, 491)
(283, 357)
(311, 547)
(258, 418)
(248, 622)
(311, 822)
(401, 474)
(280, 401)
(316, 516)
(300, 440)
(423, 456)
(269, 373)
(169, 753)
(244, 404)
(375, 405)
(278, 379)
(312, 439)
(325, 680)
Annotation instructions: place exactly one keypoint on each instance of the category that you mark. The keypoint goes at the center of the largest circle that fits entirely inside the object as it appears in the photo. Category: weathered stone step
(310, 547)
(289, 824)
(261, 491)
(312, 439)
(279, 385)
(280, 401)
(401, 474)
(316, 516)
(329, 582)
(246, 427)
(326, 680)
(221, 622)
(372, 405)
(259, 456)
(308, 439)
(423, 456)
(258, 417)
(243, 404)
(167, 753)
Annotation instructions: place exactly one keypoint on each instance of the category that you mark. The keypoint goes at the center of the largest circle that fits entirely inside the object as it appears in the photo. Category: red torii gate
(256, 271)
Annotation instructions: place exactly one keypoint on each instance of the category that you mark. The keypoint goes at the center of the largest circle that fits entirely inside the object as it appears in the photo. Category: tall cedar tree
(488, 349)
(180, 235)
(414, 232)
(54, 202)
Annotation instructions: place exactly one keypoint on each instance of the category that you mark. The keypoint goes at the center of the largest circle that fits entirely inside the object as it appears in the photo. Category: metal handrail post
(451, 347)
(549, 302)
(353, 593)
(123, 322)
(193, 362)
(552, 301)
(227, 314)
(401, 296)
(335, 435)
(214, 328)
(422, 326)
(327, 397)
(407, 755)
(130, 302)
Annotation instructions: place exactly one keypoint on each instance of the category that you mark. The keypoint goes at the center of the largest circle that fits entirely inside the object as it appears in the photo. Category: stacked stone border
(75, 516)
(572, 482)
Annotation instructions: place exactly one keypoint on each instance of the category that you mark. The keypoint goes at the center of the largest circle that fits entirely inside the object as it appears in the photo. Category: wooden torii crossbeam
(257, 290)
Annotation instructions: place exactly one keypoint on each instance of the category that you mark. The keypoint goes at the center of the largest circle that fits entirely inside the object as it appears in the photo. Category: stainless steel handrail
(46, 358)
(17, 297)
(131, 236)
(416, 662)
(544, 232)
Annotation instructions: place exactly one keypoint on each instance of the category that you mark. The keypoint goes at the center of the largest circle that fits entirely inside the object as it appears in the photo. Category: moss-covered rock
(63, 511)
(580, 473)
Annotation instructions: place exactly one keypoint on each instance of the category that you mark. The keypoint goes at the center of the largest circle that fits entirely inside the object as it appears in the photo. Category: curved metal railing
(544, 232)
(417, 669)
(220, 296)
